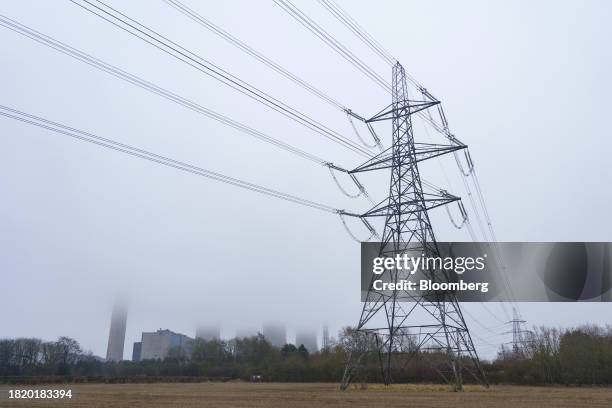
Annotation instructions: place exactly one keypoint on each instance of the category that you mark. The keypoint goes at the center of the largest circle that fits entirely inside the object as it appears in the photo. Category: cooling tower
(116, 336)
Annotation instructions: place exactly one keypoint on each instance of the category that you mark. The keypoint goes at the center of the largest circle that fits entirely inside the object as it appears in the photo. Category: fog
(524, 84)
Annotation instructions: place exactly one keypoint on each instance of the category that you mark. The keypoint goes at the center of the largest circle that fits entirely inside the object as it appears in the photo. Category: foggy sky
(524, 84)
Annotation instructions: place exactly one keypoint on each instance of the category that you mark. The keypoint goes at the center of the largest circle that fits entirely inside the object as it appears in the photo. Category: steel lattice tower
(518, 334)
(408, 227)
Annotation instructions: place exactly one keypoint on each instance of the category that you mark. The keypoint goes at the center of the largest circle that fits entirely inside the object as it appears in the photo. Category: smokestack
(116, 336)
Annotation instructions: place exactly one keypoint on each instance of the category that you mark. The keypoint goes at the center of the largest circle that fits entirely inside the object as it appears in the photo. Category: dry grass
(271, 395)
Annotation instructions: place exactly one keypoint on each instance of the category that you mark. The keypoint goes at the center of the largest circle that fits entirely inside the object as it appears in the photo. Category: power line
(485, 342)
(135, 80)
(171, 48)
(156, 158)
(345, 18)
(202, 21)
(171, 96)
(491, 313)
(209, 25)
(341, 49)
(151, 87)
(352, 25)
(320, 32)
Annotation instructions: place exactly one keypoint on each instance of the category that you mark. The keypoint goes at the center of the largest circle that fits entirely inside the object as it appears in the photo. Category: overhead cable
(206, 23)
(194, 60)
(352, 25)
(329, 39)
(153, 157)
(151, 87)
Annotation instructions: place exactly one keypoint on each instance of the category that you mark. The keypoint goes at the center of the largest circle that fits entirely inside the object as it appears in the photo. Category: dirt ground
(271, 395)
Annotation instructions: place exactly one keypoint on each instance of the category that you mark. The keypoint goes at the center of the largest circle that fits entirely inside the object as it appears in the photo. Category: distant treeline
(545, 356)
(552, 356)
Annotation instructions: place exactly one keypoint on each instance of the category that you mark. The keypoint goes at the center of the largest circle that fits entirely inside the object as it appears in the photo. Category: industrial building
(136, 351)
(156, 345)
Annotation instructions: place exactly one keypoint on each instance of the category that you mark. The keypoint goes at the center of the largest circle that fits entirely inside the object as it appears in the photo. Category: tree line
(545, 355)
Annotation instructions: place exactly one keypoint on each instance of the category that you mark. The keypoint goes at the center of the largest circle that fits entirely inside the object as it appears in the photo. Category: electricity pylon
(441, 328)
(518, 334)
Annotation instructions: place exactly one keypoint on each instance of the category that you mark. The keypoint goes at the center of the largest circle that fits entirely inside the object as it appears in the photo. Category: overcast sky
(525, 84)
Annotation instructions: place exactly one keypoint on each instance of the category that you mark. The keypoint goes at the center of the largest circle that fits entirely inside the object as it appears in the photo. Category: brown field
(271, 395)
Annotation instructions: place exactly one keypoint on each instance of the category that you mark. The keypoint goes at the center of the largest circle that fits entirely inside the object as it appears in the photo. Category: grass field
(271, 395)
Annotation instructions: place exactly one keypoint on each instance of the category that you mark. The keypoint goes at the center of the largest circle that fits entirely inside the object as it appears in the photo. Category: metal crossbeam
(422, 151)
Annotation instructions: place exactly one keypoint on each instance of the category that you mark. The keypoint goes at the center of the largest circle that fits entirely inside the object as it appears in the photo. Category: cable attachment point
(358, 184)
(468, 160)
(375, 137)
(468, 157)
(370, 228)
(350, 115)
(373, 233)
(463, 215)
(331, 168)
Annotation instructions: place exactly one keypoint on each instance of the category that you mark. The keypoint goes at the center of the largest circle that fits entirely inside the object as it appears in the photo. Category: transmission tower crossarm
(410, 206)
(422, 151)
(353, 114)
(333, 166)
(407, 107)
(349, 214)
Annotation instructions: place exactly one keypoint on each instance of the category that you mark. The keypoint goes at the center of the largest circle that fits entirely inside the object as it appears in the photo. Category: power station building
(116, 336)
(136, 351)
(157, 345)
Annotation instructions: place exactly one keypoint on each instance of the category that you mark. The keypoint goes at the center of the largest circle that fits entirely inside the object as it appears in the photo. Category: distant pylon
(518, 338)
(408, 229)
